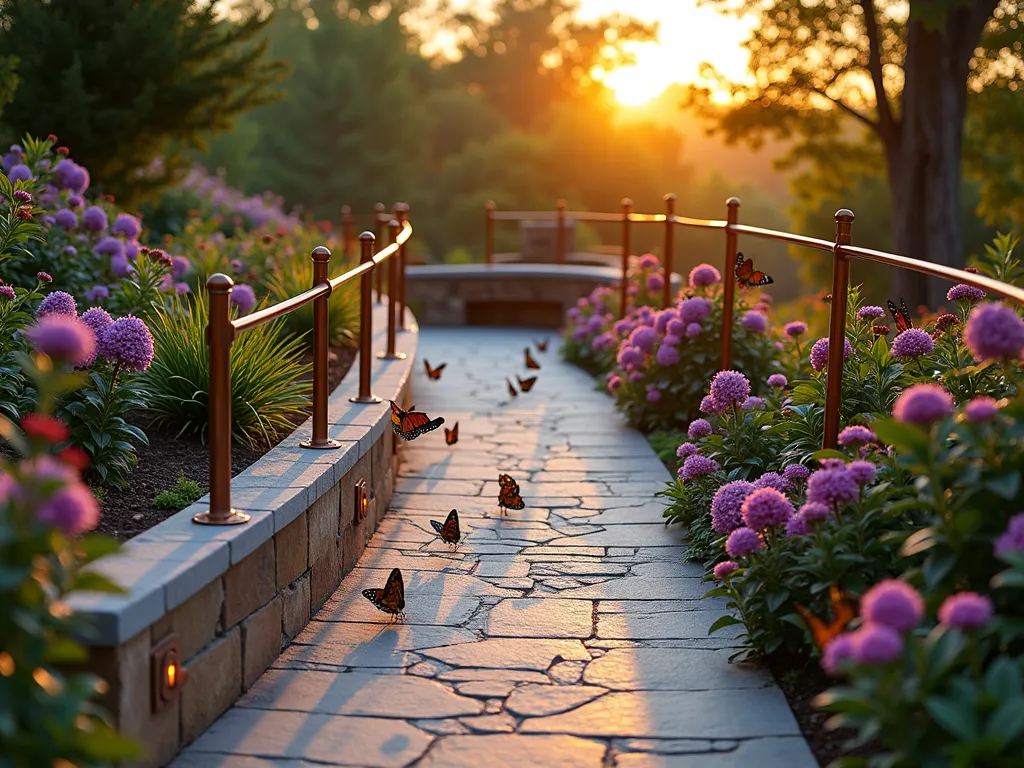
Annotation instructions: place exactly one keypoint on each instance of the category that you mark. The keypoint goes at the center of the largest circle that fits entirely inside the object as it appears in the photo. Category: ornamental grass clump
(294, 276)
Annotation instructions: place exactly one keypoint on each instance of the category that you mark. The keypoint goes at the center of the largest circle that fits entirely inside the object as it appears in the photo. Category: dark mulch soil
(129, 511)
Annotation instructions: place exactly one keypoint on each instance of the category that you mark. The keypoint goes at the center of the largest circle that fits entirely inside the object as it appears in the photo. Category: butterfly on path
(542, 346)
(511, 388)
(449, 530)
(843, 610)
(451, 436)
(747, 276)
(391, 599)
(508, 494)
(530, 362)
(525, 385)
(411, 424)
(901, 316)
(434, 373)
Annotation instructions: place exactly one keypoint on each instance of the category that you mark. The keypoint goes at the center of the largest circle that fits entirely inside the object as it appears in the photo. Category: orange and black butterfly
(901, 316)
(508, 494)
(542, 346)
(747, 276)
(511, 388)
(449, 530)
(451, 436)
(525, 385)
(391, 599)
(530, 362)
(411, 424)
(434, 373)
(842, 608)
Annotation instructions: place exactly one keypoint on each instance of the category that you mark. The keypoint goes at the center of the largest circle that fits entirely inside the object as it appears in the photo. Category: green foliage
(180, 495)
(665, 442)
(687, 503)
(295, 275)
(192, 72)
(266, 393)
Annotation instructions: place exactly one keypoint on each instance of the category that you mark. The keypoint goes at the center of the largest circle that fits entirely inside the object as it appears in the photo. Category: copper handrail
(222, 331)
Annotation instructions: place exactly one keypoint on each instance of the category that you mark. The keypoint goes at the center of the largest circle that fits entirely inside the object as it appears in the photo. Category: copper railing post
(366, 241)
(489, 232)
(837, 328)
(627, 208)
(402, 211)
(729, 280)
(560, 233)
(321, 348)
(347, 238)
(380, 224)
(391, 354)
(670, 235)
(220, 334)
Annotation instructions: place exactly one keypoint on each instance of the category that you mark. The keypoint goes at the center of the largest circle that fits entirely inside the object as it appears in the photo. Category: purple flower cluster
(755, 322)
(773, 480)
(58, 303)
(832, 485)
(653, 393)
(981, 409)
(727, 505)
(97, 293)
(766, 508)
(796, 473)
(753, 403)
(243, 297)
(893, 603)
(819, 353)
(64, 338)
(863, 472)
(965, 293)
(643, 338)
(725, 569)
(994, 331)
(1012, 540)
(729, 388)
(711, 406)
(686, 449)
(127, 226)
(66, 218)
(95, 218)
(856, 435)
(795, 328)
(870, 312)
(698, 428)
(694, 310)
(912, 343)
(703, 275)
(922, 404)
(71, 176)
(743, 542)
(127, 342)
(777, 381)
(966, 610)
(667, 355)
(697, 466)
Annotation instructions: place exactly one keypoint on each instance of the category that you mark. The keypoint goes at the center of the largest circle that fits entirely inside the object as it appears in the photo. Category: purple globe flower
(994, 331)
(794, 329)
(635, 376)
(120, 265)
(19, 172)
(1012, 540)
(649, 261)
(614, 383)
(753, 403)
(773, 480)
(76, 201)
(623, 328)
(95, 218)
(653, 394)
(58, 303)
(244, 298)
(64, 338)
(128, 226)
(777, 381)
(725, 569)
(727, 506)
(966, 610)
(819, 353)
(876, 644)
(109, 246)
(694, 310)
(729, 387)
(663, 319)
(697, 466)
(863, 472)
(676, 327)
(856, 435)
(667, 355)
(836, 652)
(965, 293)
(69, 250)
(870, 313)
(66, 218)
(796, 473)
(600, 343)
(912, 343)
(814, 512)
(796, 526)
(981, 409)
(180, 267)
(754, 322)
(832, 486)
(922, 404)
(670, 340)
(72, 508)
(127, 342)
(654, 283)
(686, 449)
(766, 508)
(893, 603)
(71, 176)
(629, 356)
(699, 428)
(97, 320)
(743, 542)
(573, 313)
(643, 338)
(711, 406)
(703, 275)
(693, 330)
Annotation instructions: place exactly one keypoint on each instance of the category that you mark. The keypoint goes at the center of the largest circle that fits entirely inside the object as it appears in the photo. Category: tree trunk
(925, 157)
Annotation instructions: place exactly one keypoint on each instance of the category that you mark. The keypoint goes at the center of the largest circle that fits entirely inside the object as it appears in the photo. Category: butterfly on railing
(530, 362)
(449, 530)
(391, 599)
(508, 494)
(411, 424)
(525, 385)
(901, 316)
(844, 611)
(542, 346)
(747, 276)
(451, 436)
(434, 373)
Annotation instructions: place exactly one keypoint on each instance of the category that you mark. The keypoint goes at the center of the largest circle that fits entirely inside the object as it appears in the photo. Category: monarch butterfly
(434, 373)
(511, 388)
(842, 608)
(451, 436)
(747, 276)
(542, 346)
(449, 530)
(508, 494)
(530, 362)
(411, 424)
(526, 385)
(391, 599)
(901, 316)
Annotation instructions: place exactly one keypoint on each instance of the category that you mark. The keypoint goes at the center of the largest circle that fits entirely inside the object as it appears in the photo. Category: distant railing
(841, 250)
(222, 331)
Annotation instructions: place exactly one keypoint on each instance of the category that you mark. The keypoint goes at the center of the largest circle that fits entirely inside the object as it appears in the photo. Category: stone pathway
(566, 634)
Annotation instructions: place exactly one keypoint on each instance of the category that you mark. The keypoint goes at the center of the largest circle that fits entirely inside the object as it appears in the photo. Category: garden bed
(130, 510)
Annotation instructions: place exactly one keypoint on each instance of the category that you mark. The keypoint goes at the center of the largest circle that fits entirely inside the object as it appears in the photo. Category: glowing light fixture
(168, 676)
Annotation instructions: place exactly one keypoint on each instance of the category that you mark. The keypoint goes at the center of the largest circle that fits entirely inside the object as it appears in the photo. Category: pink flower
(966, 610)
(766, 508)
(922, 404)
(73, 509)
(63, 338)
(725, 569)
(981, 409)
(743, 542)
(836, 652)
(614, 382)
(856, 435)
(893, 603)
(876, 644)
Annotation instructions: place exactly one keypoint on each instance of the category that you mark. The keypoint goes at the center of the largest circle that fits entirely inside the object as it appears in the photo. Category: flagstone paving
(570, 633)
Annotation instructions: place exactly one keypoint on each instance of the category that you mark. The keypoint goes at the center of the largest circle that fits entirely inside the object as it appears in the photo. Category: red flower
(52, 138)
(45, 428)
(75, 457)
(62, 151)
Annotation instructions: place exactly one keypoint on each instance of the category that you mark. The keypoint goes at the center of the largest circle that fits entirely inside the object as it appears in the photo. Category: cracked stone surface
(570, 633)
